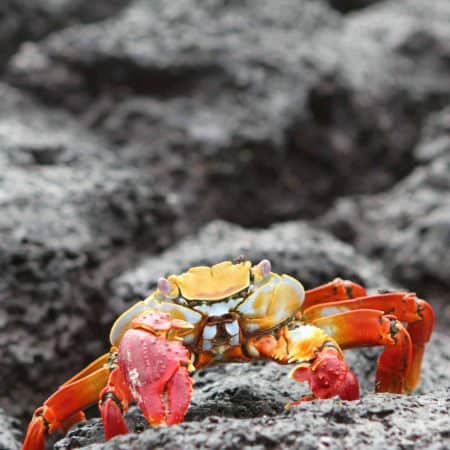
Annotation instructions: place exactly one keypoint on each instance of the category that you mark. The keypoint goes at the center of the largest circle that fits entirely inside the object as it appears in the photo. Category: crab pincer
(156, 368)
(328, 376)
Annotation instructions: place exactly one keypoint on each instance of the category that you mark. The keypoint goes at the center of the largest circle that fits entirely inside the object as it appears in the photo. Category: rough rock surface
(9, 432)
(69, 211)
(243, 93)
(22, 20)
(393, 421)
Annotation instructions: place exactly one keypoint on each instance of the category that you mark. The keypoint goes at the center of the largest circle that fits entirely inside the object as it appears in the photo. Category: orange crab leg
(368, 327)
(335, 290)
(406, 307)
(420, 333)
(114, 400)
(63, 408)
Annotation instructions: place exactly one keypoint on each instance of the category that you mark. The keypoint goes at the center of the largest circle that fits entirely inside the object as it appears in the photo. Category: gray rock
(257, 99)
(32, 136)
(22, 20)
(10, 433)
(435, 137)
(68, 211)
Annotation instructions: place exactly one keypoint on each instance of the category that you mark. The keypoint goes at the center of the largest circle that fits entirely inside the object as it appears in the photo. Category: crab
(238, 312)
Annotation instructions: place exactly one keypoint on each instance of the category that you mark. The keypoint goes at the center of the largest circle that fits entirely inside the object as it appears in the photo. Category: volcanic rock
(255, 99)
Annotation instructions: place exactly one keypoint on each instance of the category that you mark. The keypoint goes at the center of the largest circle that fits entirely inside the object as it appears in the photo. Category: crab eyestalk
(166, 289)
(261, 271)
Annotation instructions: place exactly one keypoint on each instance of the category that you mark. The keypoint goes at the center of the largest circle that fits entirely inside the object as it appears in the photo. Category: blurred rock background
(138, 138)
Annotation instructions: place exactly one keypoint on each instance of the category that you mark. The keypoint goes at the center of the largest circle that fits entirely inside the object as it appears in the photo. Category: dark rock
(33, 136)
(350, 5)
(263, 101)
(10, 433)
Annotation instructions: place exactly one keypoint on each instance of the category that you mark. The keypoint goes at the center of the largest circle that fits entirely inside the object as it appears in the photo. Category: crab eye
(166, 289)
(261, 270)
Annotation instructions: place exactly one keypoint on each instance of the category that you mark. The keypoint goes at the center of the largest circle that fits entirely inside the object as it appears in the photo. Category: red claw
(328, 376)
(113, 422)
(179, 391)
(156, 374)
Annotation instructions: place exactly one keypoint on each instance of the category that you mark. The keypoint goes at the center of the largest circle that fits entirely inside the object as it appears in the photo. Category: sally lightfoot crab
(239, 312)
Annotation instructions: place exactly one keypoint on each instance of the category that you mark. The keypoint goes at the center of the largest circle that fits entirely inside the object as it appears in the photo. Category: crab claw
(155, 370)
(328, 376)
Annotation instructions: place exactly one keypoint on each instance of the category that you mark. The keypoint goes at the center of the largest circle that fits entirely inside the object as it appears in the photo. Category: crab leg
(156, 368)
(113, 403)
(420, 333)
(368, 327)
(406, 307)
(64, 408)
(335, 290)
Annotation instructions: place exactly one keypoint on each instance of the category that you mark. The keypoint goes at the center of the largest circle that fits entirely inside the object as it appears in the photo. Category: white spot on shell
(134, 377)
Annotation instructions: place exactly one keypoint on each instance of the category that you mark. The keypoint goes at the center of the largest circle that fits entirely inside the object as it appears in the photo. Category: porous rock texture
(127, 126)
(9, 432)
(68, 211)
(30, 20)
(246, 92)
